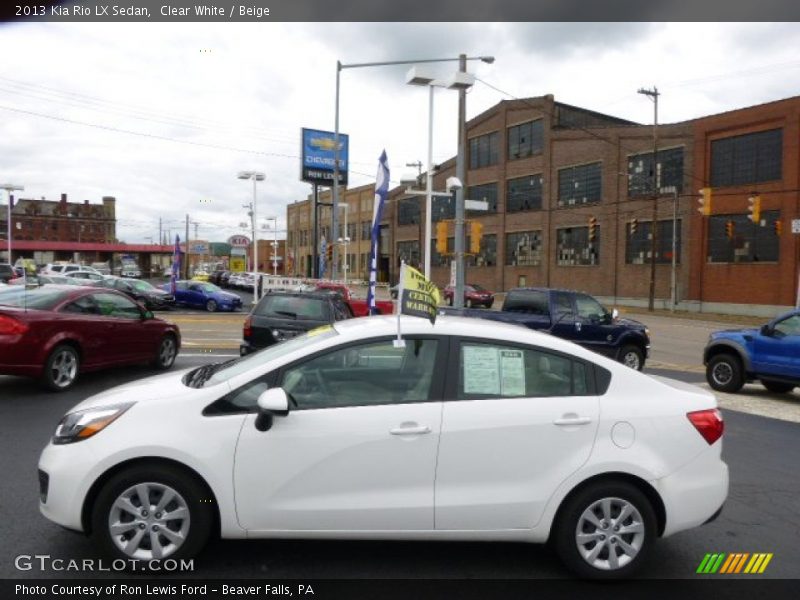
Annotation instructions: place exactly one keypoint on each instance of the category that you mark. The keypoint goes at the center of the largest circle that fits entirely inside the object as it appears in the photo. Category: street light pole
(344, 241)
(256, 176)
(654, 229)
(10, 187)
(462, 95)
(461, 174)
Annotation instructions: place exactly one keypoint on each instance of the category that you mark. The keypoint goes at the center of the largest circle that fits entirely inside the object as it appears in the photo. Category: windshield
(141, 286)
(270, 353)
(209, 287)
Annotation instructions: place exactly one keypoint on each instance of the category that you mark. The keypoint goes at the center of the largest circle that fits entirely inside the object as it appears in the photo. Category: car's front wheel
(632, 356)
(61, 368)
(152, 512)
(211, 306)
(724, 373)
(606, 531)
(777, 386)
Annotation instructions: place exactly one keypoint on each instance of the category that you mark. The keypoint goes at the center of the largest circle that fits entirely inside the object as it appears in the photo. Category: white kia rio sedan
(469, 430)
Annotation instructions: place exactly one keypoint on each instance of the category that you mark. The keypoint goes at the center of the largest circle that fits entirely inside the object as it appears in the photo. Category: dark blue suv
(770, 354)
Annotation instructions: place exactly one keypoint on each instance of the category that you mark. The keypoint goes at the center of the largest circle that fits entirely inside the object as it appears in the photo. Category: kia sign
(239, 241)
(317, 157)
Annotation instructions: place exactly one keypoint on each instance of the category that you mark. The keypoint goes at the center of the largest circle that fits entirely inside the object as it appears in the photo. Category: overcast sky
(163, 116)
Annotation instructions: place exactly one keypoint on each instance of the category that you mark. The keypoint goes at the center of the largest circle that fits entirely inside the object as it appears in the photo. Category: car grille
(44, 484)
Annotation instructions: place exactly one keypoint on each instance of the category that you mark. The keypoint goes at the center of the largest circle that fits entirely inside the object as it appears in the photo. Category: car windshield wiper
(202, 374)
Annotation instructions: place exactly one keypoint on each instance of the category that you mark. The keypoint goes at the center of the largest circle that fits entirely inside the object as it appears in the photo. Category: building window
(639, 245)
(487, 193)
(750, 158)
(669, 172)
(524, 249)
(408, 252)
(524, 193)
(573, 247)
(580, 185)
(408, 211)
(483, 150)
(525, 139)
(487, 257)
(442, 207)
(366, 230)
(750, 242)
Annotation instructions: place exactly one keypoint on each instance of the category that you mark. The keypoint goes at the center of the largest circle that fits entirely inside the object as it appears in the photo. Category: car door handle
(410, 430)
(576, 420)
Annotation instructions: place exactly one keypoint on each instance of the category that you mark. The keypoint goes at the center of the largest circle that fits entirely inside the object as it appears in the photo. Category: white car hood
(166, 386)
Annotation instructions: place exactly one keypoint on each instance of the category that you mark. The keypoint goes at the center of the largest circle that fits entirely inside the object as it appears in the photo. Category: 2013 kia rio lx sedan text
(471, 430)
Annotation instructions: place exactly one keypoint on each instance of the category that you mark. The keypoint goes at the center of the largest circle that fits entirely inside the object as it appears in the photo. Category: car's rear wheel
(632, 356)
(777, 386)
(151, 512)
(606, 531)
(61, 368)
(167, 351)
(724, 373)
(211, 306)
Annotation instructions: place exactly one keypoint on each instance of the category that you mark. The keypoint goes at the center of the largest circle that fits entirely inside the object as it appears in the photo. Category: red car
(474, 295)
(56, 332)
(357, 305)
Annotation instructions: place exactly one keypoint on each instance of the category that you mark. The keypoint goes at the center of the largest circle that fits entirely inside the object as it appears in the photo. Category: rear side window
(296, 307)
(496, 371)
(531, 302)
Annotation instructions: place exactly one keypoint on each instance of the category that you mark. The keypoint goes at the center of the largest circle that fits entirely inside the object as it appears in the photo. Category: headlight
(83, 424)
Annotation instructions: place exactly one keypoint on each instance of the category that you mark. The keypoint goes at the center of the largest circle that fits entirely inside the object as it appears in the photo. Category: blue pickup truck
(770, 354)
(574, 316)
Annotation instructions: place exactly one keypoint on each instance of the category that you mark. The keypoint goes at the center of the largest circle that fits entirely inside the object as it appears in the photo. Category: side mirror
(271, 403)
(147, 315)
(766, 330)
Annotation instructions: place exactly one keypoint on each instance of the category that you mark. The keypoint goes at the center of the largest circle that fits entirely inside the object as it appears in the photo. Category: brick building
(738, 154)
(547, 169)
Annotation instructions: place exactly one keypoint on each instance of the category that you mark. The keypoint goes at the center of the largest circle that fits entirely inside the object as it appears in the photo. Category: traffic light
(475, 234)
(329, 253)
(705, 201)
(634, 225)
(441, 237)
(754, 206)
(592, 228)
(729, 229)
(778, 228)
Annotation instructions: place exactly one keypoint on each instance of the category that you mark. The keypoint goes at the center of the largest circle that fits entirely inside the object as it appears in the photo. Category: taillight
(9, 326)
(248, 327)
(709, 423)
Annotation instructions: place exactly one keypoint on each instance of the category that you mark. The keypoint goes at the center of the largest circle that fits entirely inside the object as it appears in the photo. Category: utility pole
(160, 233)
(195, 223)
(654, 228)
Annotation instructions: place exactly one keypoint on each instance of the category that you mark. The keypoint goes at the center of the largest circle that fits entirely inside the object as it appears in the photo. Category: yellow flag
(419, 296)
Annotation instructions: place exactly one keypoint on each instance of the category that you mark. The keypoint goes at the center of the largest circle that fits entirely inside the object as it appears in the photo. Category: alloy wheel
(610, 533)
(631, 359)
(722, 373)
(166, 352)
(149, 521)
(64, 367)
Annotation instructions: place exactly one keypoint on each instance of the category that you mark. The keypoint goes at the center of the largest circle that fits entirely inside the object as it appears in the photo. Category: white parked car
(474, 430)
(87, 276)
(130, 270)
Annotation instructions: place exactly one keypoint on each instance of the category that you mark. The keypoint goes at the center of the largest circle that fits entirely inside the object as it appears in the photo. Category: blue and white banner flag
(176, 264)
(381, 191)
